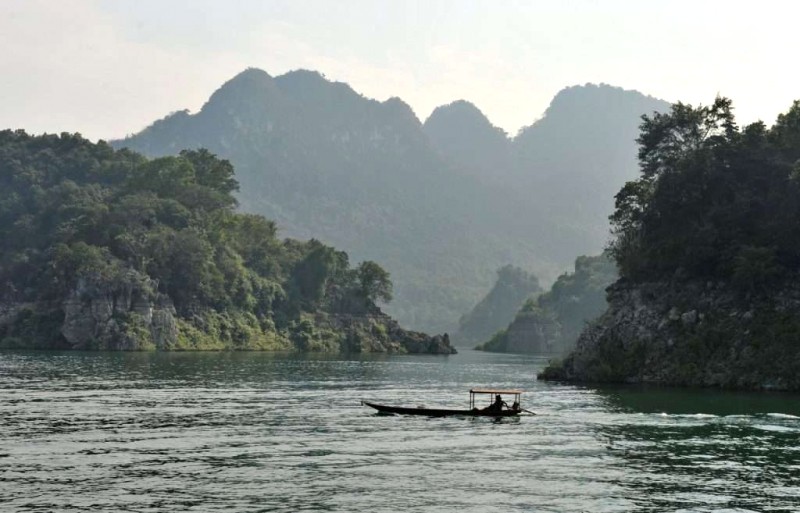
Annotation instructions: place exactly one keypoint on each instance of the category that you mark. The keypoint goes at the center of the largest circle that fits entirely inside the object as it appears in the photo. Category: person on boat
(498, 404)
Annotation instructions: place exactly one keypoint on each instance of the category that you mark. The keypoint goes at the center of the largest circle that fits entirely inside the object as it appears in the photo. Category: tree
(212, 172)
(311, 274)
(667, 139)
(712, 201)
(374, 282)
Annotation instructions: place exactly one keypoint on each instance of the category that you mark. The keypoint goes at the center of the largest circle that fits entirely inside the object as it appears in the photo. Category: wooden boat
(494, 409)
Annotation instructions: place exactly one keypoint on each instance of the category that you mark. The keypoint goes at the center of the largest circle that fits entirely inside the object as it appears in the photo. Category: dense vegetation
(497, 309)
(441, 205)
(713, 201)
(708, 246)
(551, 322)
(81, 220)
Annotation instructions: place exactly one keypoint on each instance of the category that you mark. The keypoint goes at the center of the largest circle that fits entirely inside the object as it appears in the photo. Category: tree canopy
(73, 211)
(713, 201)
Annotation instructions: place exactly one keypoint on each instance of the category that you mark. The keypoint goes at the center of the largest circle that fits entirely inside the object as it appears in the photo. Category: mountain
(108, 250)
(328, 163)
(440, 205)
(578, 155)
(465, 137)
(566, 167)
(497, 309)
(551, 322)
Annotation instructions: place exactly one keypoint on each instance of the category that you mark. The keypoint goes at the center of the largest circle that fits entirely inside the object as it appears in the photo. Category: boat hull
(435, 412)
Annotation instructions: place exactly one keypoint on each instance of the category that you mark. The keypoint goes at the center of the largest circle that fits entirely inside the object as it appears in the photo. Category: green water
(263, 432)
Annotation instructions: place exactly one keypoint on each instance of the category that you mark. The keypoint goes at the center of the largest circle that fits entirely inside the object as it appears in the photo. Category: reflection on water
(650, 399)
(271, 432)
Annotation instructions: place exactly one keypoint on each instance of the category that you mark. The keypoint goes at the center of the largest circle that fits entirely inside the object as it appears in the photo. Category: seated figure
(497, 405)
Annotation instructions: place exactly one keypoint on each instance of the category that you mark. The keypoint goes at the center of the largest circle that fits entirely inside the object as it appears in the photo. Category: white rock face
(127, 316)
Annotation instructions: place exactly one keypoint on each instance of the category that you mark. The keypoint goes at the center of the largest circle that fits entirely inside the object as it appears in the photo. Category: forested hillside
(440, 205)
(105, 249)
(708, 247)
(497, 309)
(551, 322)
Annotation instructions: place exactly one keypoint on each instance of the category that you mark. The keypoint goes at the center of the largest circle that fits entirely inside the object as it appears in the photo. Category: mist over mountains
(441, 205)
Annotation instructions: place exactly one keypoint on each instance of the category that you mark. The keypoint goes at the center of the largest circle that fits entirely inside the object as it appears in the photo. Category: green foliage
(33, 328)
(713, 201)
(309, 337)
(755, 269)
(77, 216)
(237, 330)
(373, 282)
(135, 331)
(312, 274)
(714, 211)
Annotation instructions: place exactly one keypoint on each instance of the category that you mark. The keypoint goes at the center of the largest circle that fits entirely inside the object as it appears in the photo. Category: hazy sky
(109, 68)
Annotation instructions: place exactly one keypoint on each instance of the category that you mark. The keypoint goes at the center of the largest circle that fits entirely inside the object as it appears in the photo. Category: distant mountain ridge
(466, 137)
(584, 148)
(441, 205)
(571, 162)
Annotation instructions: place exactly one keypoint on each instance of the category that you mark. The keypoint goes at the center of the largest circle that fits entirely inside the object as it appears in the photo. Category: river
(147, 432)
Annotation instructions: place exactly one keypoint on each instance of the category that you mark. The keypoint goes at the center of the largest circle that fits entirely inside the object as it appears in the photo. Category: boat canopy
(495, 391)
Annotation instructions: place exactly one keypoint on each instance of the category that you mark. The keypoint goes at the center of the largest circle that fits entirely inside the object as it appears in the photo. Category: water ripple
(256, 432)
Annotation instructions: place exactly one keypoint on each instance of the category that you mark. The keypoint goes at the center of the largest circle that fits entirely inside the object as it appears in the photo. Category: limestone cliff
(534, 332)
(690, 334)
(128, 315)
(123, 316)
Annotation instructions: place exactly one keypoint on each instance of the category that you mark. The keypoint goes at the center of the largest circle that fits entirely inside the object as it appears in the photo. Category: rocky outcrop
(122, 315)
(534, 332)
(417, 342)
(128, 315)
(378, 333)
(690, 334)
